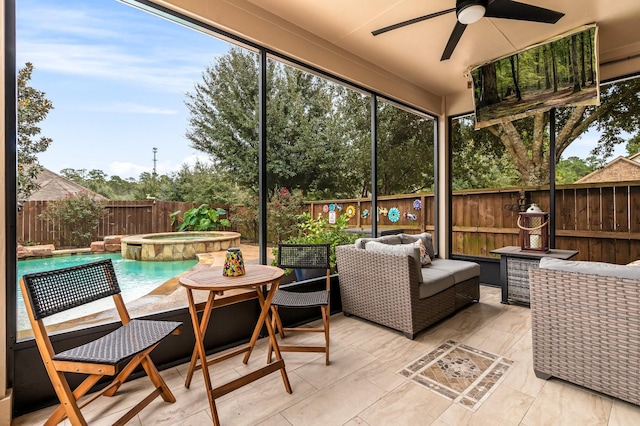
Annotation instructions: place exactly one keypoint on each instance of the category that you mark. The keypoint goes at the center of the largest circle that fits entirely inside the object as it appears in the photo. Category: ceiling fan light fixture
(470, 11)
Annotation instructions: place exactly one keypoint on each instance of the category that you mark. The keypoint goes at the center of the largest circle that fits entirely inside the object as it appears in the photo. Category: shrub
(320, 231)
(283, 211)
(76, 218)
(201, 218)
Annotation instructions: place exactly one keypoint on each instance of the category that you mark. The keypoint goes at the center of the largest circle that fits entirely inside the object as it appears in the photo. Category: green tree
(202, 183)
(76, 218)
(304, 139)
(572, 169)
(527, 140)
(633, 145)
(33, 108)
(405, 151)
(478, 160)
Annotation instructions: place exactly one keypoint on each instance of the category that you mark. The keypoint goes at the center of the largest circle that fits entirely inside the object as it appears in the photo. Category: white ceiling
(413, 52)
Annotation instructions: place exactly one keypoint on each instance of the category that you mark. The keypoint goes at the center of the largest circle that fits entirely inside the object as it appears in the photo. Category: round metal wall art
(394, 214)
(325, 208)
(350, 212)
(417, 204)
(365, 213)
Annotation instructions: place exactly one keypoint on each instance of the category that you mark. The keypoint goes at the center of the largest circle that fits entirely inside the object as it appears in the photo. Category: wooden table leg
(265, 304)
(197, 327)
(204, 323)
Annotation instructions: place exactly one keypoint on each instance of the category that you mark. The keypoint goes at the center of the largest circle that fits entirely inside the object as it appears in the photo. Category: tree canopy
(318, 132)
(33, 108)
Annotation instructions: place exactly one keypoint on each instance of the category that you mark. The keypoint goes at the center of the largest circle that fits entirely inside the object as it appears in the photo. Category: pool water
(134, 277)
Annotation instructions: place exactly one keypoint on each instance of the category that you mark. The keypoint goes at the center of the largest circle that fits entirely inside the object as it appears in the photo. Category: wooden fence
(121, 218)
(601, 221)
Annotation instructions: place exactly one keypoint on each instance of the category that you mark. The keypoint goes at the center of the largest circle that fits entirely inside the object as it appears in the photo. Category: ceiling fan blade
(507, 9)
(453, 40)
(411, 21)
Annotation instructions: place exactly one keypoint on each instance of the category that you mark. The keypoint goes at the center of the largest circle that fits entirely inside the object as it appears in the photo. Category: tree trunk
(574, 64)
(490, 93)
(514, 77)
(547, 71)
(583, 71)
(554, 68)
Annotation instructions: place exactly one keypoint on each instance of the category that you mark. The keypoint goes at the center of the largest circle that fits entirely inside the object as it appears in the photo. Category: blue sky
(117, 78)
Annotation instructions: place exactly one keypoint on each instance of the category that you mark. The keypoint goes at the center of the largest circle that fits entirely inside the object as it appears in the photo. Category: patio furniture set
(585, 315)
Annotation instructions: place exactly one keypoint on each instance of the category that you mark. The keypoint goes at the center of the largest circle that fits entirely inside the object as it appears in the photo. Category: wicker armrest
(585, 330)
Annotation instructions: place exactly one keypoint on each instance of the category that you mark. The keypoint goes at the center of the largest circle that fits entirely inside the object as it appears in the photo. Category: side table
(212, 281)
(514, 270)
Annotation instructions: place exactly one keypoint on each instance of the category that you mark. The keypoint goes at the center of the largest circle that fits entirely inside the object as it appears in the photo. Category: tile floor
(362, 385)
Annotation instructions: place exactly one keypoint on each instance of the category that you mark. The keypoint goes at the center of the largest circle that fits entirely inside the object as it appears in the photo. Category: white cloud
(125, 169)
(109, 62)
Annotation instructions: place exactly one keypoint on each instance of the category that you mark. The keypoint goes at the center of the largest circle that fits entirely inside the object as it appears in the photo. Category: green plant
(320, 231)
(76, 216)
(283, 210)
(201, 218)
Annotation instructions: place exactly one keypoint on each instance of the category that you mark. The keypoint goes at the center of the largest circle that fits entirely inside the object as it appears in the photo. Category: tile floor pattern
(362, 387)
(458, 372)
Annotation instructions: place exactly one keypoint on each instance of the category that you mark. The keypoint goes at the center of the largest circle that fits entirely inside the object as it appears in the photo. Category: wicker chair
(585, 325)
(48, 293)
(303, 256)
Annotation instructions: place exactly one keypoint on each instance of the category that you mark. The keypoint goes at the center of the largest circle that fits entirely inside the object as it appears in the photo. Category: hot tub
(177, 245)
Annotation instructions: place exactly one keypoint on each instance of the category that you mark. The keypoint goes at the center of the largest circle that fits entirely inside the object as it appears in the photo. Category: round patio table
(212, 280)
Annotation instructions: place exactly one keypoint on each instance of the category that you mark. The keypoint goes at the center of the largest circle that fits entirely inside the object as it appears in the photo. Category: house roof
(620, 169)
(55, 187)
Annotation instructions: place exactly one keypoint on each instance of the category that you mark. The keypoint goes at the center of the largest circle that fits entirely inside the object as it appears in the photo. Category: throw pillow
(425, 260)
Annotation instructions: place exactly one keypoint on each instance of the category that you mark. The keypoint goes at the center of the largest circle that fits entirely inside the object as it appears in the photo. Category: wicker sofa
(393, 289)
(585, 319)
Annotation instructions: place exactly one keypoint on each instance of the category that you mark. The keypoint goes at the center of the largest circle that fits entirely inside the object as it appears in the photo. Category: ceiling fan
(470, 11)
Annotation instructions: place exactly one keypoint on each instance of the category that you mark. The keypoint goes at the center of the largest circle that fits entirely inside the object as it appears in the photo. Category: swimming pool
(135, 278)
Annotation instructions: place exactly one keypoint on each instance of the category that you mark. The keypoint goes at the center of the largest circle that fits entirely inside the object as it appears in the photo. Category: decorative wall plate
(417, 204)
(394, 214)
(325, 208)
(350, 212)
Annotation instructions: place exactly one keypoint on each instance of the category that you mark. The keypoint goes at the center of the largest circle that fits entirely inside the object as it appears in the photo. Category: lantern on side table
(534, 229)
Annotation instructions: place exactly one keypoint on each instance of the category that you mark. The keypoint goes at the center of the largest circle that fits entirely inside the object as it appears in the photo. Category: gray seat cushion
(593, 268)
(434, 281)
(460, 269)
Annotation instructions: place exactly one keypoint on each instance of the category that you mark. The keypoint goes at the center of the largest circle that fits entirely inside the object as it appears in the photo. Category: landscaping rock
(113, 239)
(112, 248)
(97, 247)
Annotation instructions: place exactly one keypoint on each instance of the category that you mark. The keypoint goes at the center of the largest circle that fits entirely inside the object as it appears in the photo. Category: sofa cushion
(387, 239)
(460, 269)
(434, 281)
(426, 238)
(404, 249)
(593, 268)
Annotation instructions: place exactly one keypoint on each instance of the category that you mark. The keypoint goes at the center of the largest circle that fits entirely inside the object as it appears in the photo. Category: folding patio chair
(51, 292)
(303, 256)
